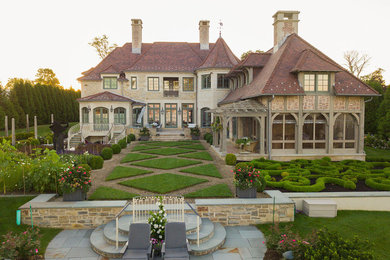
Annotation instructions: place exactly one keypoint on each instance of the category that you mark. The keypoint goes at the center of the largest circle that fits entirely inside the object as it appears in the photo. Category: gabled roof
(255, 60)
(220, 56)
(106, 96)
(295, 53)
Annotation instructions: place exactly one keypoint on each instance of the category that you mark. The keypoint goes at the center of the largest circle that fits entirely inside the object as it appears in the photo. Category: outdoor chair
(138, 245)
(176, 245)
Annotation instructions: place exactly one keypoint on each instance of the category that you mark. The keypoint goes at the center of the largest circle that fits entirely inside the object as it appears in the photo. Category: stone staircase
(75, 140)
(211, 236)
(169, 135)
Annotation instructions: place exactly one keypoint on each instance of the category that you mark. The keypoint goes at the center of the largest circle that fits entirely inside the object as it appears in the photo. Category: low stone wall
(233, 212)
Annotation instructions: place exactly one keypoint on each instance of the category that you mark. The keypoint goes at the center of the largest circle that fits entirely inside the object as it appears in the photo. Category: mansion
(292, 101)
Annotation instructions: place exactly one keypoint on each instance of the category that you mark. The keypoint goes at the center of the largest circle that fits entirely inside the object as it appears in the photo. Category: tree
(245, 54)
(356, 62)
(47, 77)
(102, 46)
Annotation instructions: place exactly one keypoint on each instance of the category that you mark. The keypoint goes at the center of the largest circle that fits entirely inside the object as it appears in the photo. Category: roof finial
(220, 28)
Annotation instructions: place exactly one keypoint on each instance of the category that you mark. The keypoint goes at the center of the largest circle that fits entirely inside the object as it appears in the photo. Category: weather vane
(220, 28)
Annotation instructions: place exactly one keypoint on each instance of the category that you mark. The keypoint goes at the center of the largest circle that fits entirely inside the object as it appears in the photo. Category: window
(154, 113)
(153, 84)
(344, 131)
(110, 83)
(283, 132)
(316, 82)
(133, 82)
(188, 84)
(206, 81)
(313, 136)
(101, 119)
(222, 82)
(188, 114)
(85, 115)
(138, 113)
(205, 117)
(119, 116)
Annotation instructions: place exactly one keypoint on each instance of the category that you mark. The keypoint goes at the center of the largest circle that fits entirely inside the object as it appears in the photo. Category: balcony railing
(171, 93)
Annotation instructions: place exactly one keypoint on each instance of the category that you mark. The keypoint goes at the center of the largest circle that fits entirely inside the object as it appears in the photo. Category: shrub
(107, 153)
(144, 132)
(96, 162)
(242, 164)
(195, 131)
(378, 183)
(85, 166)
(262, 183)
(131, 137)
(33, 141)
(23, 136)
(230, 159)
(116, 148)
(206, 136)
(74, 178)
(122, 143)
(246, 177)
(20, 246)
(284, 174)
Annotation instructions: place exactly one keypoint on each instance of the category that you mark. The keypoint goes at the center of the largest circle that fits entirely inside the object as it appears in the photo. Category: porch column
(262, 135)
(231, 128)
(361, 132)
(130, 116)
(330, 127)
(300, 126)
(224, 133)
(215, 135)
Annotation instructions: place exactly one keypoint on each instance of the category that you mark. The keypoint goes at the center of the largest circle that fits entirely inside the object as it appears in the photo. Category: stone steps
(211, 236)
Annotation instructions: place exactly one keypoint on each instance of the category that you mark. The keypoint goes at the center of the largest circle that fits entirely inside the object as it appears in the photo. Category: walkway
(242, 242)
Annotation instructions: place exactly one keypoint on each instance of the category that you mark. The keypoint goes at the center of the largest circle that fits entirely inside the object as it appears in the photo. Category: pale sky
(55, 34)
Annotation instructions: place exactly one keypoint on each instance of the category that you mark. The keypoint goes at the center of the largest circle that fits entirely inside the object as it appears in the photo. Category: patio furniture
(138, 245)
(176, 245)
(251, 147)
(191, 125)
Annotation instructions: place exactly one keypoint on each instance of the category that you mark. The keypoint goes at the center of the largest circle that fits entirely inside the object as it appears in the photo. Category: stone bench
(320, 208)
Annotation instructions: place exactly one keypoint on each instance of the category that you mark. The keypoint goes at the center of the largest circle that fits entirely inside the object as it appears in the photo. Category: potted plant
(144, 134)
(157, 221)
(242, 142)
(246, 180)
(195, 133)
(75, 183)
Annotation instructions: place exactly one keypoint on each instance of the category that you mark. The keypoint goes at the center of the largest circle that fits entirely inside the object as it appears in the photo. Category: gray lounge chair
(176, 245)
(138, 245)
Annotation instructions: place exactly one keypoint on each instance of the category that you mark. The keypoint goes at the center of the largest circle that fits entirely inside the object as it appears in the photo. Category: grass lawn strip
(168, 151)
(194, 146)
(166, 163)
(371, 225)
(131, 157)
(207, 170)
(107, 193)
(123, 172)
(219, 191)
(198, 155)
(8, 207)
(143, 147)
(166, 143)
(163, 183)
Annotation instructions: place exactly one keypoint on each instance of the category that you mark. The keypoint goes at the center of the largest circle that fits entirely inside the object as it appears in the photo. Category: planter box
(75, 196)
(320, 208)
(144, 138)
(248, 193)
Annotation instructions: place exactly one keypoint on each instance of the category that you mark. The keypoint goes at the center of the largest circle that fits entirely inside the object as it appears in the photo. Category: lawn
(163, 183)
(123, 172)
(375, 155)
(166, 163)
(167, 143)
(167, 151)
(132, 157)
(207, 170)
(143, 147)
(107, 193)
(215, 191)
(8, 207)
(371, 225)
(43, 130)
(194, 146)
(198, 155)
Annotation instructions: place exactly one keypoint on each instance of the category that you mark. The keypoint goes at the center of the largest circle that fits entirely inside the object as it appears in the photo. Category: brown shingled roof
(220, 56)
(311, 61)
(106, 96)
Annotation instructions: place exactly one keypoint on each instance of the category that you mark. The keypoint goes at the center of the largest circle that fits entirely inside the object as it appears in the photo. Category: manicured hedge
(96, 162)
(122, 143)
(107, 153)
(230, 159)
(116, 148)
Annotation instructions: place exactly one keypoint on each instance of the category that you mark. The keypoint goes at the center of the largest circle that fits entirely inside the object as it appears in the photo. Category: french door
(171, 115)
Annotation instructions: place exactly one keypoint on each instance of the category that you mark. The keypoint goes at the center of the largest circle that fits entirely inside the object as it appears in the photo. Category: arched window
(85, 115)
(283, 132)
(314, 132)
(344, 131)
(100, 119)
(138, 116)
(120, 116)
(205, 117)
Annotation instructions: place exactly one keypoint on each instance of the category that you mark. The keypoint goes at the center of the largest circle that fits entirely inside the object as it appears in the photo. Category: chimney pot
(204, 26)
(136, 26)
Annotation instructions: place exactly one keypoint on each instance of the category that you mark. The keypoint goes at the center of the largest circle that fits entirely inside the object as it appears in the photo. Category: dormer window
(110, 83)
(316, 82)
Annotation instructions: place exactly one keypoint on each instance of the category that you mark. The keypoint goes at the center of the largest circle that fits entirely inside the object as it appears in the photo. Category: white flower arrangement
(157, 220)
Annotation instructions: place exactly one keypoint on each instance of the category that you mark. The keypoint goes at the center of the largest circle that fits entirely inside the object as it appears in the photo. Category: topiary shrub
(230, 159)
(206, 136)
(378, 183)
(96, 162)
(242, 164)
(122, 143)
(131, 137)
(85, 166)
(262, 183)
(107, 153)
(116, 148)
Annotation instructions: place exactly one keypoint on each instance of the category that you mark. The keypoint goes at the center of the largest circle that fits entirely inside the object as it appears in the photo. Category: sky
(55, 34)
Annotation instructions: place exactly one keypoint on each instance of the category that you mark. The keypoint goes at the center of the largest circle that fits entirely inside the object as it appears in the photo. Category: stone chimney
(285, 23)
(136, 26)
(204, 26)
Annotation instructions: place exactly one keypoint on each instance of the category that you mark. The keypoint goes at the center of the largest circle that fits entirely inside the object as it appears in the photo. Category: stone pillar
(330, 127)
(224, 133)
(231, 128)
(52, 118)
(6, 126)
(130, 117)
(35, 127)
(262, 135)
(361, 128)
(27, 123)
(13, 131)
